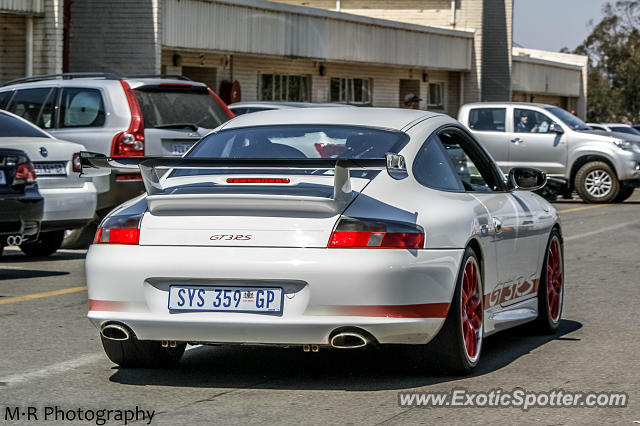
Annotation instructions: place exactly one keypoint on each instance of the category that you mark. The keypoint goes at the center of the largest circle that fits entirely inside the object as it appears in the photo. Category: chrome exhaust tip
(349, 340)
(115, 332)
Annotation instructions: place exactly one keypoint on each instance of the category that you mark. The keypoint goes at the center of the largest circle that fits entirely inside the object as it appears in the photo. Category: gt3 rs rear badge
(230, 237)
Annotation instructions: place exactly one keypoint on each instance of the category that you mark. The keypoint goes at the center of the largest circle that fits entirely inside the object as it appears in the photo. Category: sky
(554, 24)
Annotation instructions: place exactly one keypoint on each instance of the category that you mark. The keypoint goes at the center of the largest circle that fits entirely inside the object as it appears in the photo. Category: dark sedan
(21, 204)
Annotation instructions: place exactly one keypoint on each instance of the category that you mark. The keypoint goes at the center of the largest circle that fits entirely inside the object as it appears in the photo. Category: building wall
(118, 35)
(579, 103)
(246, 69)
(47, 39)
(468, 16)
(12, 46)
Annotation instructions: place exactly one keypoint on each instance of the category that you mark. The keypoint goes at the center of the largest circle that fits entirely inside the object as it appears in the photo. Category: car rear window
(299, 141)
(487, 119)
(166, 105)
(14, 127)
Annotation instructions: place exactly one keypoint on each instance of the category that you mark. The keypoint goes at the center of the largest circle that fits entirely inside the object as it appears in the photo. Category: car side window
(4, 98)
(28, 103)
(487, 119)
(433, 167)
(529, 121)
(81, 107)
(46, 120)
(474, 169)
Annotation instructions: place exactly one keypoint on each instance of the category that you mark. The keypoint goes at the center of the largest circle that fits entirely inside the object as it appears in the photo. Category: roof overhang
(256, 27)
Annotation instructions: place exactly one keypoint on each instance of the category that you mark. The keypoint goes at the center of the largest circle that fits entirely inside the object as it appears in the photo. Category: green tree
(613, 48)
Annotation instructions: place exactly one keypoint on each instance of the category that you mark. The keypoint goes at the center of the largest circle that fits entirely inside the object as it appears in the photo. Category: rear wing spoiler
(94, 164)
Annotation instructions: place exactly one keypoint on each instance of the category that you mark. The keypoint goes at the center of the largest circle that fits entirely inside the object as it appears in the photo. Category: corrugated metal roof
(265, 28)
(21, 6)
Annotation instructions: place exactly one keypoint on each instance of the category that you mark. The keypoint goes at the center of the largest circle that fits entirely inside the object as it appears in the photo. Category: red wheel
(551, 291)
(554, 279)
(471, 310)
(457, 347)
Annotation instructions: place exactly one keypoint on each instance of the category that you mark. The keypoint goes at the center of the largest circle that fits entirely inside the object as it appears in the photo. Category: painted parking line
(41, 295)
(50, 370)
(601, 230)
(578, 209)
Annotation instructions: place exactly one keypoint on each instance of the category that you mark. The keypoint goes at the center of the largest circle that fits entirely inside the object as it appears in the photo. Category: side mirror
(555, 128)
(526, 179)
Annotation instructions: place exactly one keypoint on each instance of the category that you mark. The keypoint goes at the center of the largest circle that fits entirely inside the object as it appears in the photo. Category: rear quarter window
(4, 98)
(487, 119)
(81, 107)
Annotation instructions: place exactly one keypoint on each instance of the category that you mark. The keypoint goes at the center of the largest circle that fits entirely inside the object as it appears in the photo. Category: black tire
(46, 244)
(446, 352)
(586, 180)
(624, 193)
(547, 322)
(134, 353)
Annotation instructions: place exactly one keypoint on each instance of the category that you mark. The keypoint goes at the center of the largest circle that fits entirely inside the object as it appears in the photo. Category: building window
(355, 91)
(276, 87)
(435, 97)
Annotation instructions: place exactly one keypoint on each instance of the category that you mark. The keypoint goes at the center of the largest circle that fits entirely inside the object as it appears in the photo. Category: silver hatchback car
(600, 167)
(118, 116)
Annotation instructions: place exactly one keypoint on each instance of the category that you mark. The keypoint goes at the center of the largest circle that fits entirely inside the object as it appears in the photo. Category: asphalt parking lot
(51, 354)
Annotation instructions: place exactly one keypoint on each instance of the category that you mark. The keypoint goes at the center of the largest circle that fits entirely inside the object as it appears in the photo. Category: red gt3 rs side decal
(424, 310)
(505, 292)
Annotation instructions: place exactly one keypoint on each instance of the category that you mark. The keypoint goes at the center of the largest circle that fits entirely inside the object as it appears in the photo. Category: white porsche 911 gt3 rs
(324, 227)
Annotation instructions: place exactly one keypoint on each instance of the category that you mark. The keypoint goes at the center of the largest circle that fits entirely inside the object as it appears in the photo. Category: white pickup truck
(601, 167)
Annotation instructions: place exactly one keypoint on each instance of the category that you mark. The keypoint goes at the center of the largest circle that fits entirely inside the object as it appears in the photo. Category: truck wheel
(46, 244)
(624, 193)
(596, 182)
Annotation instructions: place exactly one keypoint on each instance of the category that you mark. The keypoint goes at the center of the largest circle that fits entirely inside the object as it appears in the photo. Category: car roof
(275, 105)
(387, 118)
(91, 79)
(499, 104)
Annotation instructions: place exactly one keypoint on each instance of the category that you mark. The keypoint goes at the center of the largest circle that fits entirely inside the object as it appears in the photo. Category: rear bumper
(76, 205)
(395, 295)
(21, 214)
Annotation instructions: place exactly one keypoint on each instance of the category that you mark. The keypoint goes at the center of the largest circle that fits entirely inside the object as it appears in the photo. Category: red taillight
(222, 104)
(119, 230)
(258, 180)
(76, 165)
(25, 174)
(130, 143)
(129, 177)
(366, 233)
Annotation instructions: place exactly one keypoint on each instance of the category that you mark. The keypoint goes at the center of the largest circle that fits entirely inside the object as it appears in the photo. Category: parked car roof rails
(64, 76)
(172, 76)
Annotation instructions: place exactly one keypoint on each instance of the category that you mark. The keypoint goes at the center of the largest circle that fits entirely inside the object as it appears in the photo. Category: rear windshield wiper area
(191, 126)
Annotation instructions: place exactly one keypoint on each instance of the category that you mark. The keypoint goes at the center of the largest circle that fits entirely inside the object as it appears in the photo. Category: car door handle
(516, 140)
(497, 225)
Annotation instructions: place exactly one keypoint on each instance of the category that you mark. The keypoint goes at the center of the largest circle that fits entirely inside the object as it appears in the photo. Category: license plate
(179, 148)
(50, 169)
(3, 179)
(225, 299)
